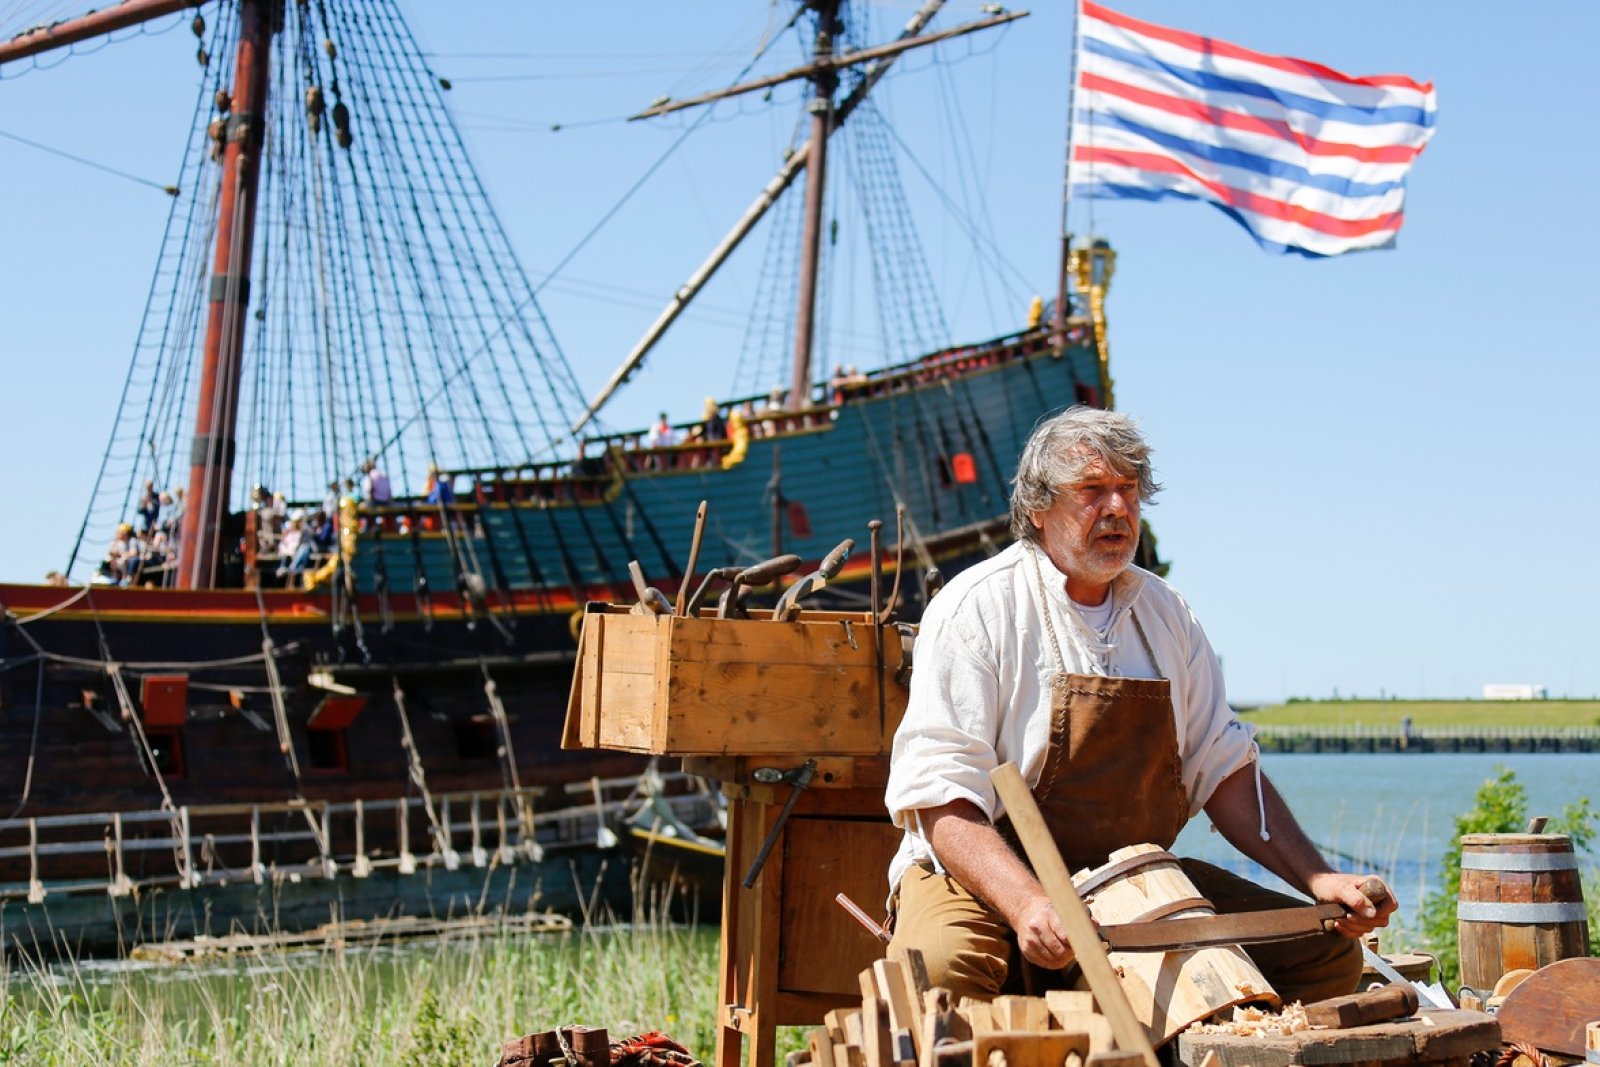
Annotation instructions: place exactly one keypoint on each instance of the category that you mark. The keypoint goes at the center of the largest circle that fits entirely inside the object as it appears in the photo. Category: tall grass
(448, 1003)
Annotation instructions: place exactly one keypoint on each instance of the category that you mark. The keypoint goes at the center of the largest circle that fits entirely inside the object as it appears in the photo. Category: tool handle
(636, 572)
(1364, 1009)
(834, 560)
(1374, 890)
(765, 572)
(875, 528)
(862, 917)
(694, 557)
(801, 779)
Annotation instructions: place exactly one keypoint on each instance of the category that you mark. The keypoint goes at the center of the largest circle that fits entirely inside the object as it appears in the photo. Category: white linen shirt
(980, 686)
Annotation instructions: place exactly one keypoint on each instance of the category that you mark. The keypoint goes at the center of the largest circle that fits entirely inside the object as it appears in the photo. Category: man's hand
(974, 852)
(1362, 914)
(1040, 935)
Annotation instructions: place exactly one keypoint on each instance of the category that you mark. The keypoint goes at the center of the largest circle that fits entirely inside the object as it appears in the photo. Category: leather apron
(1112, 774)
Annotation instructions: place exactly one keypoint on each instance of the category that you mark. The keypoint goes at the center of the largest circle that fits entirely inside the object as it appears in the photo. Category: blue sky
(1380, 469)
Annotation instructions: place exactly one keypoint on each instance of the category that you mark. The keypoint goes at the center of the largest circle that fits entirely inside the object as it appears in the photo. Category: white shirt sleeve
(1212, 742)
(945, 747)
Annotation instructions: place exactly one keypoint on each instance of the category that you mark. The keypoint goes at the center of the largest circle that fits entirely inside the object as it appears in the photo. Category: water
(1394, 814)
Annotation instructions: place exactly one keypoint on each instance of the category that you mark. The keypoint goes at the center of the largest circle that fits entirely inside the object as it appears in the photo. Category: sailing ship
(380, 705)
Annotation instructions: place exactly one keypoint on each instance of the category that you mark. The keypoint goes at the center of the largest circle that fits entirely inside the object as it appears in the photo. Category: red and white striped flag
(1307, 159)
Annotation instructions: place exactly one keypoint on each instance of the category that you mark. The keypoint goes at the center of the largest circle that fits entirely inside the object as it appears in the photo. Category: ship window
(166, 749)
(327, 750)
(476, 738)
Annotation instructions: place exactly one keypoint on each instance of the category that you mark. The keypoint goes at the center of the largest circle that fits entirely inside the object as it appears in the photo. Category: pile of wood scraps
(904, 1022)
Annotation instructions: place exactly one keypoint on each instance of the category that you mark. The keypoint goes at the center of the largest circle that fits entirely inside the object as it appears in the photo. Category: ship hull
(450, 634)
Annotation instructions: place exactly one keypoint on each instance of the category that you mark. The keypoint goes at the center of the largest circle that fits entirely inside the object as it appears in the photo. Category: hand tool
(653, 600)
(720, 574)
(788, 605)
(875, 531)
(862, 917)
(798, 779)
(1203, 931)
(1363, 1009)
(1433, 994)
(694, 556)
(875, 541)
(899, 561)
(760, 574)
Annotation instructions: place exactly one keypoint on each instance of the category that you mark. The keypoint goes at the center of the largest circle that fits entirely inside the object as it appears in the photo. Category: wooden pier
(1407, 738)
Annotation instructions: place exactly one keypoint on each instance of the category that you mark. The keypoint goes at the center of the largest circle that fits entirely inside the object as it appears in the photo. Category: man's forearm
(975, 854)
(972, 850)
(1289, 853)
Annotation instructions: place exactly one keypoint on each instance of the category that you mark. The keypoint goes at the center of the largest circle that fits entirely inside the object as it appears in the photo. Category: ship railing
(217, 844)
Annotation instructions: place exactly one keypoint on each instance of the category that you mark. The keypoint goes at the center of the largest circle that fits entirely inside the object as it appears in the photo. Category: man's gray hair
(1060, 449)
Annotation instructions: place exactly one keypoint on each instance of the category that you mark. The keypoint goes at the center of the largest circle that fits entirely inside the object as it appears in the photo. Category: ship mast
(216, 415)
(211, 469)
(824, 81)
(878, 61)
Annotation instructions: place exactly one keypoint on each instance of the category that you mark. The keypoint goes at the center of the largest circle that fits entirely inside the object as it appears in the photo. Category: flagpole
(1066, 174)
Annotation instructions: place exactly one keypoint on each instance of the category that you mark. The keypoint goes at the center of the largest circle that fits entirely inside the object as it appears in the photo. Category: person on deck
(661, 434)
(375, 488)
(439, 487)
(1095, 679)
(149, 506)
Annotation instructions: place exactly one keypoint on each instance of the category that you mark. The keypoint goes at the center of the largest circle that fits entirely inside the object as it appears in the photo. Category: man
(1095, 679)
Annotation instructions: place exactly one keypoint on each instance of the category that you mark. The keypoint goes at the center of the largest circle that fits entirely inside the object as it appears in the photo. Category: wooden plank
(942, 1026)
(1020, 1013)
(1097, 1027)
(1049, 1048)
(1081, 933)
(1075, 1001)
(820, 1042)
(977, 1014)
(902, 1018)
(875, 1038)
(914, 977)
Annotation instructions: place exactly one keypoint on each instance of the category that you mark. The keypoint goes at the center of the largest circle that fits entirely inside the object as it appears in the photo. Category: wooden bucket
(1521, 905)
(1167, 990)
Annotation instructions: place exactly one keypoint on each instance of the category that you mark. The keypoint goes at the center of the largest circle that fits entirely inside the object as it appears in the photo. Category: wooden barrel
(1521, 905)
(1167, 990)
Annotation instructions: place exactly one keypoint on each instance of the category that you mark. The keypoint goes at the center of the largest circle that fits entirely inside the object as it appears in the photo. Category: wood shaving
(1251, 1021)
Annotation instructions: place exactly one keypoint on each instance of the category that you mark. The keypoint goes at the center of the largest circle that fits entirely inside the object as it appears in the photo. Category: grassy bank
(1437, 713)
(421, 1006)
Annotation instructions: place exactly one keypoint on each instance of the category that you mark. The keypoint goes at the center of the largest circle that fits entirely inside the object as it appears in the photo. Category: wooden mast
(211, 460)
(825, 80)
(791, 169)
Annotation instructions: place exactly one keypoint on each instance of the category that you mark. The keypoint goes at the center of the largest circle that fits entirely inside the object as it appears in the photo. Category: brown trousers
(971, 951)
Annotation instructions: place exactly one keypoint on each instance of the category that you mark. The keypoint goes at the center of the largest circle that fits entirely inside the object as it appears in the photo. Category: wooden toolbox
(679, 686)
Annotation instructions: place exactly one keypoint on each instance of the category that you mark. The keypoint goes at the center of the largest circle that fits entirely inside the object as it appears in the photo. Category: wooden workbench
(789, 952)
(1434, 1037)
(737, 696)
